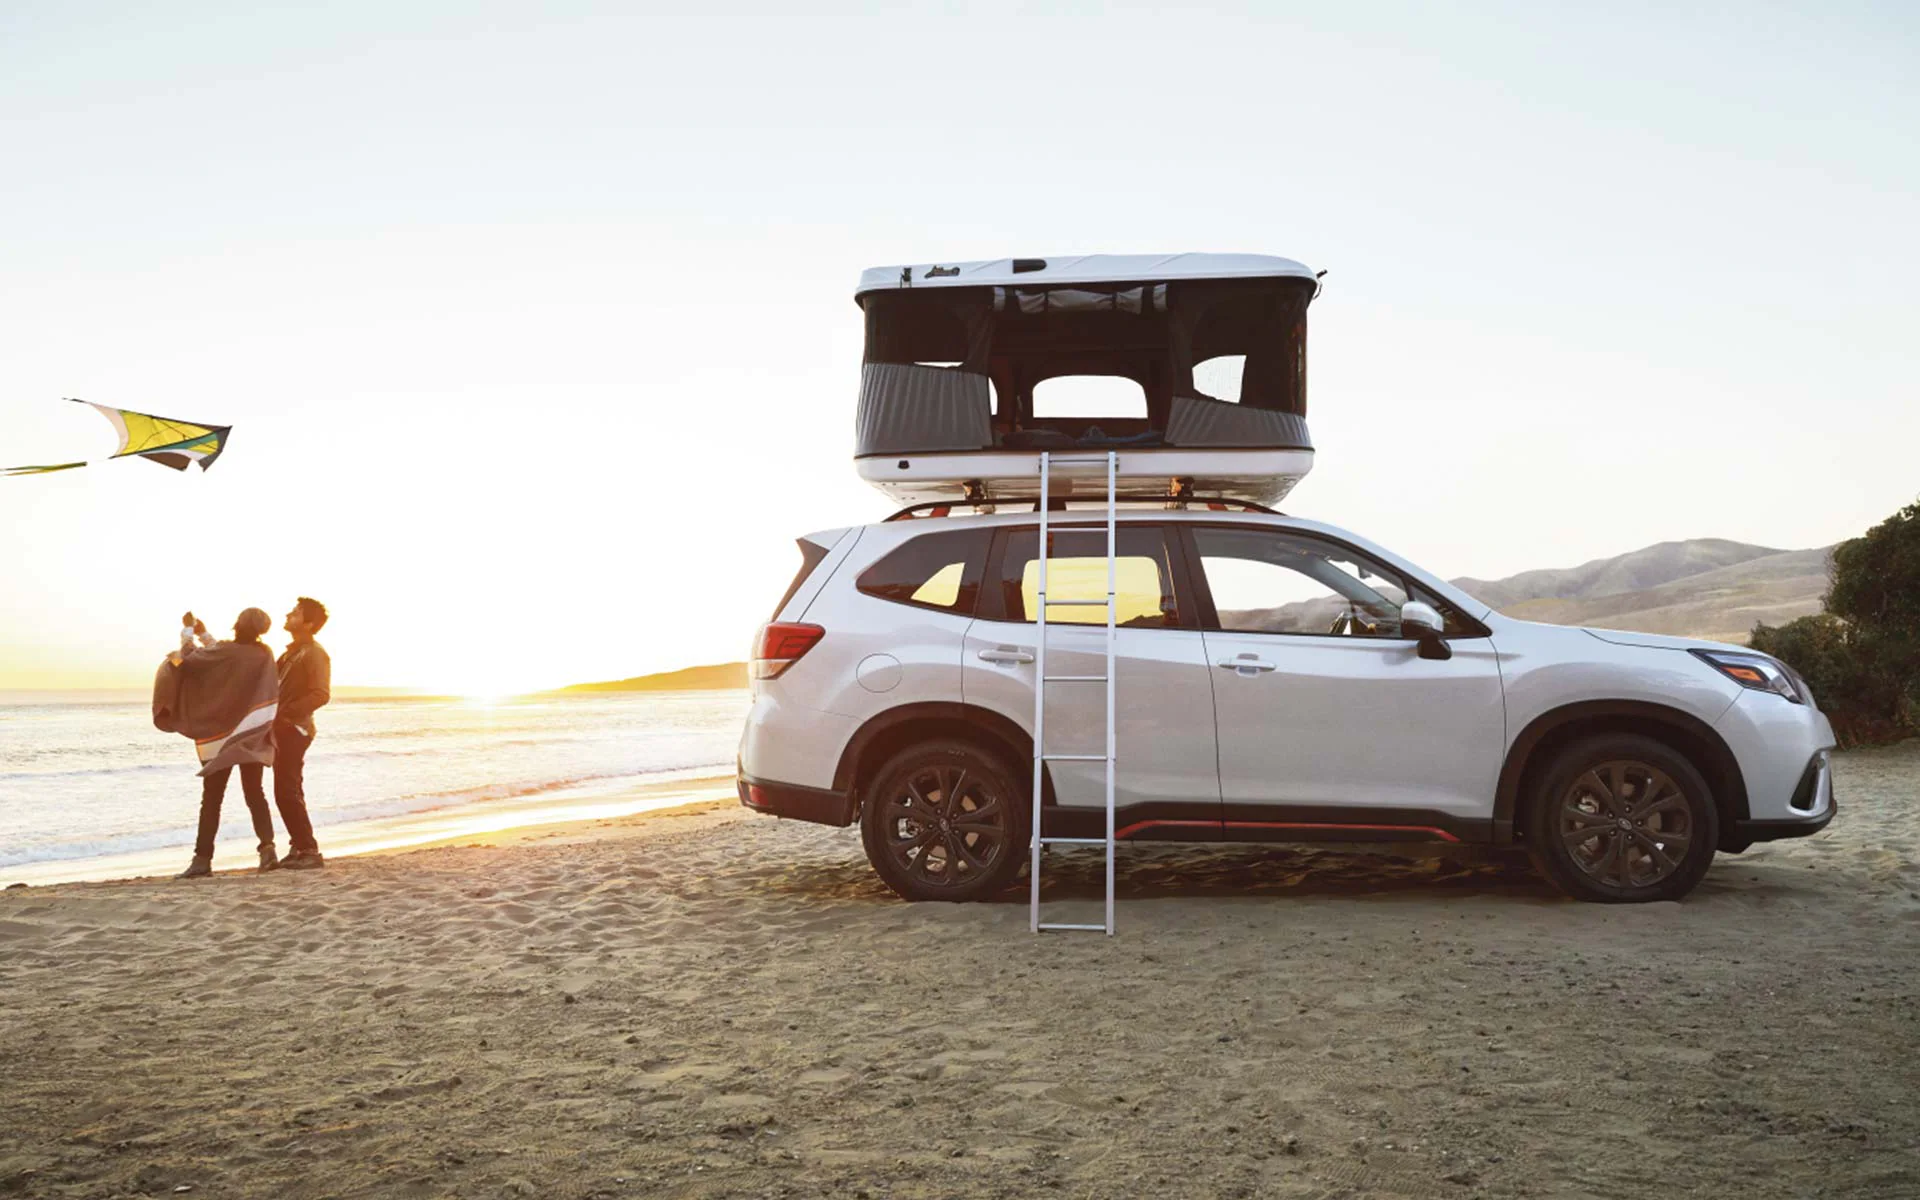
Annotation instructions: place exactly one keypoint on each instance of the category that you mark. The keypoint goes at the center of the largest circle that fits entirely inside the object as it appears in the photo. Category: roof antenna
(906, 276)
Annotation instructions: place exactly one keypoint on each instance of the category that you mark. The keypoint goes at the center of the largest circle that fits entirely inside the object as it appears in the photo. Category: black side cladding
(810, 555)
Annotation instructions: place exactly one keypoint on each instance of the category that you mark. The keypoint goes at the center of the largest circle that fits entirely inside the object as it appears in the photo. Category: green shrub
(1862, 656)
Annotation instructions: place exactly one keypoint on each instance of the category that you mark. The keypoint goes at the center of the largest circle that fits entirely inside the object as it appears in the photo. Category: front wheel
(943, 820)
(1621, 819)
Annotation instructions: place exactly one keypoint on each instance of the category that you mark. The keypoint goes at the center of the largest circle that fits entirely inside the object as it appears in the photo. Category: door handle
(1005, 654)
(1247, 664)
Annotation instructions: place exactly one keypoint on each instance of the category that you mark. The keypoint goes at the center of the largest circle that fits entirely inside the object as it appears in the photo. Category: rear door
(1167, 776)
(1327, 714)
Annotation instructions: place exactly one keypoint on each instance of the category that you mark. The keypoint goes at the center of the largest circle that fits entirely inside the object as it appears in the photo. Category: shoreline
(538, 816)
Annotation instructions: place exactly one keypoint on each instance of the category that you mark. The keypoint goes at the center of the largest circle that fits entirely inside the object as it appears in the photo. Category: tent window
(1219, 377)
(1089, 397)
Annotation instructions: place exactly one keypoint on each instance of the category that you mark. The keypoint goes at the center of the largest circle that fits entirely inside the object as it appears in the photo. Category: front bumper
(819, 805)
(1813, 796)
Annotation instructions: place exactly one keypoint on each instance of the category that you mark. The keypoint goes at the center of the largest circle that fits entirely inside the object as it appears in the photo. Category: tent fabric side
(915, 410)
(1205, 424)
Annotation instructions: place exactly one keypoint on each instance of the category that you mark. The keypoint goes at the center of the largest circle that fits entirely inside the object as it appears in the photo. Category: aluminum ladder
(1041, 679)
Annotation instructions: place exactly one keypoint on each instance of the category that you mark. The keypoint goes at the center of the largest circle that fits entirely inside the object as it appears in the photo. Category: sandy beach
(705, 1002)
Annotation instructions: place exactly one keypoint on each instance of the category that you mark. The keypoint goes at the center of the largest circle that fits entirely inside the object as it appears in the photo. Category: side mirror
(1419, 621)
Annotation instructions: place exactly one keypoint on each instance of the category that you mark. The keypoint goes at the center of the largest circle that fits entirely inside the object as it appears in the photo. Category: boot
(304, 860)
(202, 864)
(269, 861)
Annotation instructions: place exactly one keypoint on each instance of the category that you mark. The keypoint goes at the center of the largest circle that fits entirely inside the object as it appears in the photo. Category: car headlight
(1755, 671)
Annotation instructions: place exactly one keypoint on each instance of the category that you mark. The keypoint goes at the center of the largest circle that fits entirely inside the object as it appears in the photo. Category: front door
(1327, 715)
(1166, 781)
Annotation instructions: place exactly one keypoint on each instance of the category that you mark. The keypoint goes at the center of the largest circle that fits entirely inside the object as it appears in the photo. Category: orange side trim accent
(1120, 833)
(1442, 834)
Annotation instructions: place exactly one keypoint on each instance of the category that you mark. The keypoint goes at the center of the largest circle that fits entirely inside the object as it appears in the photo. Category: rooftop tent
(1201, 362)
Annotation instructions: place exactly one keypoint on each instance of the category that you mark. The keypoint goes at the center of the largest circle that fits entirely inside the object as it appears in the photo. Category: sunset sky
(535, 323)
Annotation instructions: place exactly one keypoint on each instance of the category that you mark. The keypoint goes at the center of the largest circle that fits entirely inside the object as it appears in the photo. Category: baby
(193, 634)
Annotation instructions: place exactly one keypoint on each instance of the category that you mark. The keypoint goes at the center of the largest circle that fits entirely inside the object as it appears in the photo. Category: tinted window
(935, 570)
(1144, 588)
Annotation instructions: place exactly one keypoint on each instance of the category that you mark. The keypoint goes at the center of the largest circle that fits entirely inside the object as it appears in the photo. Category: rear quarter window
(938, 570)
(811, 553)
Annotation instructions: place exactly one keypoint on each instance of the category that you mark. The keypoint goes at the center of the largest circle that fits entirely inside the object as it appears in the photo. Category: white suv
(1277, 680)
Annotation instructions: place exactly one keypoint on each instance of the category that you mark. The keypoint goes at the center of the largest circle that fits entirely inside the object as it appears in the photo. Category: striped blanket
(224, 698)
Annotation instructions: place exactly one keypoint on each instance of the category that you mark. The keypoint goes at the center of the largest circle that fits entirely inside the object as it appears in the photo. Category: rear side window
(1145, 593)
(810, 555)
(935, 570)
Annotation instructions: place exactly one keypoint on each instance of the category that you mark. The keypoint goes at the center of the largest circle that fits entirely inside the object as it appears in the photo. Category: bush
(1822, 649)
(1862, 656)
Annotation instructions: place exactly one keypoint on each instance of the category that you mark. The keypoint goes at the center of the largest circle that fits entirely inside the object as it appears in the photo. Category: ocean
(90, 789)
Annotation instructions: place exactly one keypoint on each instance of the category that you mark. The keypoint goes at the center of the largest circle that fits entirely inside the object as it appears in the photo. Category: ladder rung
(1066, 841)
(1076, 460)
(1076, 529)
(1076, 679)
(1078, 603)
(1073, 758)
(1059, 925)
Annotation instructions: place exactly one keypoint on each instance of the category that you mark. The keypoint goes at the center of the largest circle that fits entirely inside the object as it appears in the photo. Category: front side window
(1268, 582)
(935, 570)
(1144, 590)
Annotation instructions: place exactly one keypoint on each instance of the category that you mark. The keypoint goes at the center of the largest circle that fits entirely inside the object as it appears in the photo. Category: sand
(714, 1003)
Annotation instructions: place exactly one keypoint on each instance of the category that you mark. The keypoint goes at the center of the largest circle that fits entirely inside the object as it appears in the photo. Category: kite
(165, 440)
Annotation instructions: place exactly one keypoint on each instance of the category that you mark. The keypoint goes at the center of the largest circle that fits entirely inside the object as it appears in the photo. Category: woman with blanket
(224, 697)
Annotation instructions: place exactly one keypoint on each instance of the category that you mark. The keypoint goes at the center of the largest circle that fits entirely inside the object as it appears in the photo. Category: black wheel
(943, 820)
(1621, 819)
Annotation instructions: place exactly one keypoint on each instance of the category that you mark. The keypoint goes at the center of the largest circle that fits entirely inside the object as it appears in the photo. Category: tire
(973, 837)
(1652, 819)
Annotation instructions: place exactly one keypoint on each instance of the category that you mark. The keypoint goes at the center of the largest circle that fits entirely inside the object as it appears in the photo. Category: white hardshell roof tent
(1082, 268)
(1197, 361)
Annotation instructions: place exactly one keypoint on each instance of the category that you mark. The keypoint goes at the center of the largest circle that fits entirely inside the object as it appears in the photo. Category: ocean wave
(371, 810)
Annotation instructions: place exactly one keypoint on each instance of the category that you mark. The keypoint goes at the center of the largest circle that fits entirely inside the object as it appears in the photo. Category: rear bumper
(820, 805)
(1813, 796)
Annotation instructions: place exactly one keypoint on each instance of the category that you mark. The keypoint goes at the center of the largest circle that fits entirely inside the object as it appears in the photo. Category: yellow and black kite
(165, 440)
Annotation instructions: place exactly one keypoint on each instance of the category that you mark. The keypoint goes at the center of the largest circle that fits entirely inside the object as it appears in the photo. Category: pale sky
(535, 322)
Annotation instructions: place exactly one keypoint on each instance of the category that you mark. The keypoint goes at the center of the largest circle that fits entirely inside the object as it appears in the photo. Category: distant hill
(688, 679)
(1706, 588)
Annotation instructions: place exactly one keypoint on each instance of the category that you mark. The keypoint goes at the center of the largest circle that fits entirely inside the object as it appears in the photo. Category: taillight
(780, 645)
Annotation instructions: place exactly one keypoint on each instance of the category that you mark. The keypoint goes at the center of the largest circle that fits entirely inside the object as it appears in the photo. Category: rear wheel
(1622, 818)
(943, 820)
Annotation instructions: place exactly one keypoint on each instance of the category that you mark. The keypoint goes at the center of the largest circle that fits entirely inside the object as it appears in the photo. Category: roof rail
(945, 508)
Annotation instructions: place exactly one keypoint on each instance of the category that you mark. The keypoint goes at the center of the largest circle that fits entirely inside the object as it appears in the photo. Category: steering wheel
(1352, 624)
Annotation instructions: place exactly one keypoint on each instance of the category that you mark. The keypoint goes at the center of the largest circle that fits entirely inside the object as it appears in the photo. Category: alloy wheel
(1625, 824)
(944, 825)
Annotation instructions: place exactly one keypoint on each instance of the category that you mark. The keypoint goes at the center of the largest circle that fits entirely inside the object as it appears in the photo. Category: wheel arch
(887, 732)
(1547, 733)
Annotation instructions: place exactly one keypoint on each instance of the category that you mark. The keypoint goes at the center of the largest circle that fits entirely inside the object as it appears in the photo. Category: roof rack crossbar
(941, 508)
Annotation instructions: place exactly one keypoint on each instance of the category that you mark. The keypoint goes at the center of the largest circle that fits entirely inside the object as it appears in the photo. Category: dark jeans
(213, 789)
(289, 785)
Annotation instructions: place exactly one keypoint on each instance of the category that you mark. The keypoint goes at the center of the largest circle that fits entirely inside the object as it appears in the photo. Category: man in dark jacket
(306, 683)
